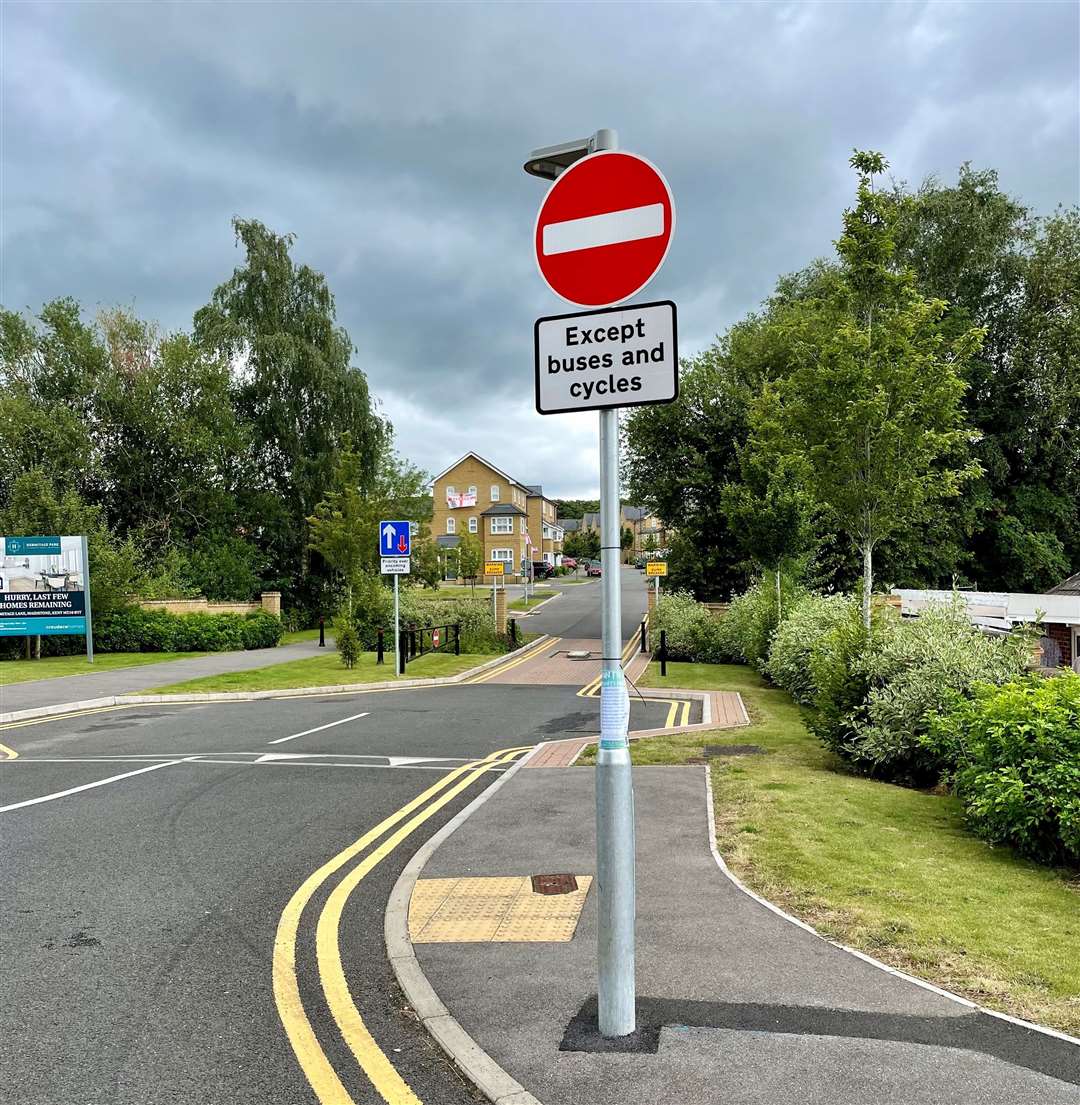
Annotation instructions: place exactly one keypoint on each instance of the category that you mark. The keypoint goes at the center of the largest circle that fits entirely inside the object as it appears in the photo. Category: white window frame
(1076, 648)
(523, 527)
(496, 493)
(451, 525)
(472, 525)
(502, 529)
(505, 555)
(472, 489)
(450, 490)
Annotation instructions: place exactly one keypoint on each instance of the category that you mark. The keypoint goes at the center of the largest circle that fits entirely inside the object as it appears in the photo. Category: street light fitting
(549, 161)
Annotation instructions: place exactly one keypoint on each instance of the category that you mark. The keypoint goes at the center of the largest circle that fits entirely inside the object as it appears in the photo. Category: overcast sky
(390, 139)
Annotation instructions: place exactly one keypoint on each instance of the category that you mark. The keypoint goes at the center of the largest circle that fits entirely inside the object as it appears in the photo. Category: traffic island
(736, 1002)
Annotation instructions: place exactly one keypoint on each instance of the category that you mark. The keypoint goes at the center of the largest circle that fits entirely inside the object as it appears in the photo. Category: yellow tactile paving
(500, 909)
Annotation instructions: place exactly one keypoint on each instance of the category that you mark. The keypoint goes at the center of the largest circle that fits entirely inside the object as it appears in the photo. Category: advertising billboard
(43, 586)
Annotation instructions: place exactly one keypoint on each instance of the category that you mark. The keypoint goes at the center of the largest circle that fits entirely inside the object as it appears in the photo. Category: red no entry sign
(604, 228)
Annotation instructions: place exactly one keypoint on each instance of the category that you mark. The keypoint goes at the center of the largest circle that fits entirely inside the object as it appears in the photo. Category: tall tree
(296, 388)
(870, 414)
(1017, 277)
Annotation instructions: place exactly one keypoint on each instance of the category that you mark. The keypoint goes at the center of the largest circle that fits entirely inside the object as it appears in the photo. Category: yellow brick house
(513, 521)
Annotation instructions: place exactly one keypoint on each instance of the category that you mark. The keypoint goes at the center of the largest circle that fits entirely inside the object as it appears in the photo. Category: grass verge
(54, 667)
(890, 871)
(325, 671)
(535, 599)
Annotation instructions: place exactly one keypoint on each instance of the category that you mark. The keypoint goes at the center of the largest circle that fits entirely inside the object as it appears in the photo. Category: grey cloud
(390, 139)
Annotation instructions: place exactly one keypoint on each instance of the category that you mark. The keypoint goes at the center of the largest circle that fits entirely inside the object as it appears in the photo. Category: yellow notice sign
(493, 568)
(656, 567)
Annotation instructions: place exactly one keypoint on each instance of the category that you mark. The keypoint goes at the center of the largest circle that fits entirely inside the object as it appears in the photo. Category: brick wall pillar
(500, 608)
(271, 602)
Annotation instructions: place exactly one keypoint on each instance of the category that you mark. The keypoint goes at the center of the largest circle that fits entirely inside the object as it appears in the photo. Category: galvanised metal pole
(615, 876)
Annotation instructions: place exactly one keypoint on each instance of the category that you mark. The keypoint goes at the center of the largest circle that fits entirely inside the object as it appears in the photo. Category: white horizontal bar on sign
(629, 225)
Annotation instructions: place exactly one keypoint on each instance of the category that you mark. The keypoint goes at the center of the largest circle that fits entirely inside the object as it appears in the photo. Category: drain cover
(734, 750)
(554, 884)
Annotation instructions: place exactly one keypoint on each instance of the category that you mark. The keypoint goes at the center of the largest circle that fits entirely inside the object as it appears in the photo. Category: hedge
(138, 630)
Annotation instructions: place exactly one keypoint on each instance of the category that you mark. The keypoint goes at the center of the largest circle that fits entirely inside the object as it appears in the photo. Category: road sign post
(656, 569)
(494, 569)
(602, 232)
(395, 547)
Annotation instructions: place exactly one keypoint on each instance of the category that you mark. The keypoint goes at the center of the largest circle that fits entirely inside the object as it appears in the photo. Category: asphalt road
(139, 915)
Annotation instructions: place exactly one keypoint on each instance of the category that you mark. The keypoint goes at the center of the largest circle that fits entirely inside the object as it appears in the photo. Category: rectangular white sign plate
(618, 357)
(395, 565)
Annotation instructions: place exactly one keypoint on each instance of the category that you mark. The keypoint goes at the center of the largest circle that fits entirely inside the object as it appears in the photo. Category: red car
(569, 562)
(594, 570)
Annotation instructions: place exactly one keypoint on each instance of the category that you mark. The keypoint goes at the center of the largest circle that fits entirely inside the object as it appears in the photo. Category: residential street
(139, 915)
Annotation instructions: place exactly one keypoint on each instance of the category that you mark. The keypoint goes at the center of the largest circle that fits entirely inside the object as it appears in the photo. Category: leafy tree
(338, 528)
(870, 414)
(626, 538)
(576, 508)
(425, 565)
(297, 391)
(470, 556)
(1016, 277)
(584, 544)
(116, 566)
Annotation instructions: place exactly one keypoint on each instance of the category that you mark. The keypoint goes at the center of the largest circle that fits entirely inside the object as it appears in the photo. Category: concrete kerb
(62, 709)
(967, 1003)
(475, 1063)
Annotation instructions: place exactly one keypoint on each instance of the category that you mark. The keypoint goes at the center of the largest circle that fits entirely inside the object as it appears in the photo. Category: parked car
(594, 569)
(569, 562)
(542, 569)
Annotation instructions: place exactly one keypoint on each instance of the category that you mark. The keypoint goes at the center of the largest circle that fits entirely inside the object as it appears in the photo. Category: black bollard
(322, 632)
(663, 652)
(379, 647)
(645, 635)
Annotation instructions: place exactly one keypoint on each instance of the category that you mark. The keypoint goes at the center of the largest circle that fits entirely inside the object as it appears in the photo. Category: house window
(523, 525)
(472, 525)
(502, 524)
(451, 525)
(1076, 650)
(495, 492)
(450, 490)
(503, 554)
(472, 489)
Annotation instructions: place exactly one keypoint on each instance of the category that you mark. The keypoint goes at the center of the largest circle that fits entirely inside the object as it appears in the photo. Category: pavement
(192, 895)
(193, 903)
(735, 1003)
(102, 684)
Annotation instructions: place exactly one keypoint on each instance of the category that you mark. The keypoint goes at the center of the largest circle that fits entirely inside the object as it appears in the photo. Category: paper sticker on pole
(604, 229)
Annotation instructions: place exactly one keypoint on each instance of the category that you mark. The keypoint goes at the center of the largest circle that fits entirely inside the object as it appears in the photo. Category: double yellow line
(372, 1061)
(592, 688)
(528, 654)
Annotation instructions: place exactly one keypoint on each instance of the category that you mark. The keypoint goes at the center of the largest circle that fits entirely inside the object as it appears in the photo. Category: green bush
(748, 627)
(474, 616)
(373, 609)
(1017, 751)
(912, 669)
(840, 683)
(692, 632)
(138, 630)
(806, 623)
(348, 643)
(261, 630)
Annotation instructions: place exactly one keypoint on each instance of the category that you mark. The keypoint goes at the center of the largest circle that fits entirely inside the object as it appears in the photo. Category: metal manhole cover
(554, 884)
(734, 750)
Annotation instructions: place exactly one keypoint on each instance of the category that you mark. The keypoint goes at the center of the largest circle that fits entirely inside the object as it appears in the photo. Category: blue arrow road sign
(394, 538)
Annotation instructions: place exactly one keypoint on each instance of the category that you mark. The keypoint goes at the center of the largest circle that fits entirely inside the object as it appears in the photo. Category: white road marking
(629, 225)
(86, 786)
(319, 728)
